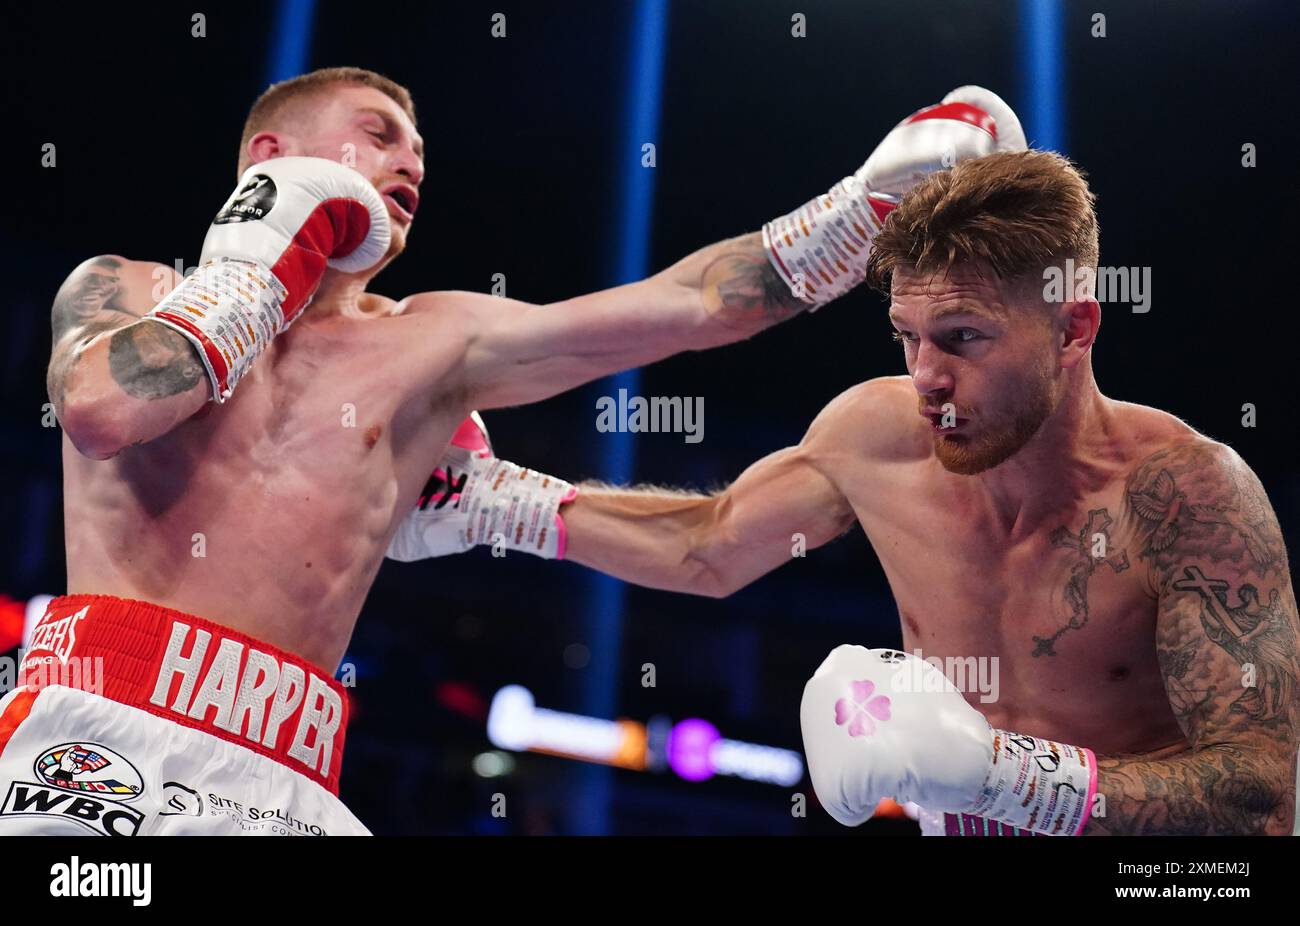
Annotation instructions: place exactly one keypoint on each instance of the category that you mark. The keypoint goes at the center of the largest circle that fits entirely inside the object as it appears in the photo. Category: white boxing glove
(821, 248)
(474, 498)
(264, 256)
(970, 123)
(880, 723)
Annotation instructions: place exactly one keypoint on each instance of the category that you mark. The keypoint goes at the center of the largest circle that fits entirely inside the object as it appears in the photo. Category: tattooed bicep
(93, 289)
(1198, 500)
(108, 292)
(103, 294)
(1226, 626)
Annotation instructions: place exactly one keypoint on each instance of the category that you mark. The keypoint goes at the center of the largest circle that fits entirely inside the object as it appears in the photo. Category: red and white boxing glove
(474, 498)
(821, 248)
(880, 723)
(265, 255)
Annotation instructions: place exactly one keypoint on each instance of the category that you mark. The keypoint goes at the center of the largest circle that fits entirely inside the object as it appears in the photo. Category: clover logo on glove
(858, 709)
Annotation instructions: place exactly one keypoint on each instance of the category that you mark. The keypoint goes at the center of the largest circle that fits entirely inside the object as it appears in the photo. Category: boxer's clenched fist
(265, 254)
(869, 735)
(473, 498)
(821, 248)
(880, 723)
(970, 123)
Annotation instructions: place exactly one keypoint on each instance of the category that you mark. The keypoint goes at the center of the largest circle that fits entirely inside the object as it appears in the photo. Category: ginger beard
(988, 438)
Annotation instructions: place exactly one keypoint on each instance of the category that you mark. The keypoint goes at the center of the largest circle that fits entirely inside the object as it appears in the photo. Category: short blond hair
(280, 101)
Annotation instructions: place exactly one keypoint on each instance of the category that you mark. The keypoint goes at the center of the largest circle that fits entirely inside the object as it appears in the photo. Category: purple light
(689, 744)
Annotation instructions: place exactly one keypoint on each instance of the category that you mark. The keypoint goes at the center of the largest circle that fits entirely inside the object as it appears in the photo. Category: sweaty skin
(271, 513)
(1128, 573)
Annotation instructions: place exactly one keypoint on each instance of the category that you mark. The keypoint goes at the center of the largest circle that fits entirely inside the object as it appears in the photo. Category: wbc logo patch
(89, 768)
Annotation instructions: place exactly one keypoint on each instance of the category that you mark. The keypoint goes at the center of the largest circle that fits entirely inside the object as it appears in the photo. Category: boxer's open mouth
(404, 198)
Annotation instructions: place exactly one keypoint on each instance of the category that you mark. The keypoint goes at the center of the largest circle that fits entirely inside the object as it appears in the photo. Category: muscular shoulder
(1195, 498)
(1152, 428)
(107, 292)
(1160, 443)
(446, 324)
(876, 420)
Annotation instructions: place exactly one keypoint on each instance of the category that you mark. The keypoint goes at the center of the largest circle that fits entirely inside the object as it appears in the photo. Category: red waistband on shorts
(197, 673)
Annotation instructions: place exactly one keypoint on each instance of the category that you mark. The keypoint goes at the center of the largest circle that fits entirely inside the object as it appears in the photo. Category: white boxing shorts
(133, 719)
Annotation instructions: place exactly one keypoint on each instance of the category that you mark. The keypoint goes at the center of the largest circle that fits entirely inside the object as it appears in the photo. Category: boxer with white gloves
(1117, 566)
(879, 723)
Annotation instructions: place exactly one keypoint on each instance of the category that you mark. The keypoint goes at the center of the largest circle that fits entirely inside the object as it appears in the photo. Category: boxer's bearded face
(368, 131)
(1008, 413)
(982, 365)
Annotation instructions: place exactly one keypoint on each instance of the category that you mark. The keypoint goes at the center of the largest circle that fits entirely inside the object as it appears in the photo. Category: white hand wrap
(474, 498)
(821, 248)
(1038, 785)
(229, 310)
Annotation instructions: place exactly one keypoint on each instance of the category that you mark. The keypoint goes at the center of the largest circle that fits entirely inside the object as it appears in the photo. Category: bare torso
(270, 513)
(1064, 603)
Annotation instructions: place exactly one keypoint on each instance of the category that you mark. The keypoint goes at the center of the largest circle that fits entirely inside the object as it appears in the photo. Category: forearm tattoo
(743, 290)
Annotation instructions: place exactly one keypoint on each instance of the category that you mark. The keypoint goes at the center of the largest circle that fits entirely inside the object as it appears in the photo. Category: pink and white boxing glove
(879, 723)
(474, 498)
(264, 256)
(821, 248)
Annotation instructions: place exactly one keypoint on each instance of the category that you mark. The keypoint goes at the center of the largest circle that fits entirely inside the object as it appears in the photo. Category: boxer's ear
(267, 145)
(1079, 322)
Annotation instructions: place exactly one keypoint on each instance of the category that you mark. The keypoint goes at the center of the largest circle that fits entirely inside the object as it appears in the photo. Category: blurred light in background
(576, 656)
(1042, 70)
(688, 749)
(493, 764)
(695, 749)
(290, 39)
(605, 599)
